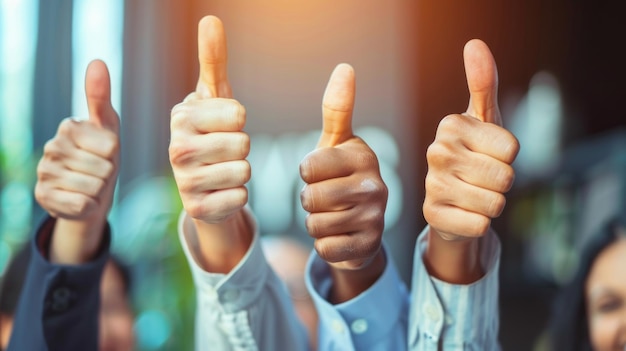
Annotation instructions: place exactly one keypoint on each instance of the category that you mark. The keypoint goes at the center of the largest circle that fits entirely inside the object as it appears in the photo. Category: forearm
(348, 284)
(453, 261)
(219, 247)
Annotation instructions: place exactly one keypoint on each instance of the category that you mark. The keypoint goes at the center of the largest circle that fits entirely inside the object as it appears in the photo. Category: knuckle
(440, 155)
(375, 220)
(307, 200)
(180, 152)
(110, 144)
(66, 127)
(240, 116)
(108, 169)
(480, 226)
(451, 123)
(497, 205)
(513, 148)
(240, 198)
(186, 183)
(178, 117)
(506, 177)
(97, 187)
(244, 145)
(370, 244)
(80, 206)
(431, 212)
(245, 172)
(50, 147)
(307, 170)
(41, 195)
(325, 251)
(434, 187)
(312, 225)
(196, 209)
(367, 159)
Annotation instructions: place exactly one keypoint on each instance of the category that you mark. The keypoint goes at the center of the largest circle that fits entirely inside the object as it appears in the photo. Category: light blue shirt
(247, 309)
(460, 317)
(250, 309)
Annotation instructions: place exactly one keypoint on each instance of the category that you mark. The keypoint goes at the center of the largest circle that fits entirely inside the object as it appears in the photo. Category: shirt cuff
(377, 315)
(464, 316)
(242, 285)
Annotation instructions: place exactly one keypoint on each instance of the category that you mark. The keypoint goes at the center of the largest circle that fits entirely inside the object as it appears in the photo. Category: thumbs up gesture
(344, 193)
(208, 150)
(469, 163)
(208, 146)
(77, 173)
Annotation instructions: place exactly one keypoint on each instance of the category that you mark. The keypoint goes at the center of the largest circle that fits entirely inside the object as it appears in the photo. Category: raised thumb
(337, 107)
(98, 94)
(482, 81)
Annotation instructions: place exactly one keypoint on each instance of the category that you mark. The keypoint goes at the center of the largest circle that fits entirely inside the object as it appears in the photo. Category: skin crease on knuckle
(240, 116)
(179, 117)
(52, 150)
(480, 227)
(181, 152)
(442, 155)
(312, 226)
(497, 206)
(306, 198)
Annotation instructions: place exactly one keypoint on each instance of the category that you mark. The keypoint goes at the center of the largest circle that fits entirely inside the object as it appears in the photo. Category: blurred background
(562, 74)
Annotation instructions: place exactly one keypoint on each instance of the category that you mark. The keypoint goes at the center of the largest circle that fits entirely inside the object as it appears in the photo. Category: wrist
(76, 242)
(453, 261)
(219, 247)
(349, 283)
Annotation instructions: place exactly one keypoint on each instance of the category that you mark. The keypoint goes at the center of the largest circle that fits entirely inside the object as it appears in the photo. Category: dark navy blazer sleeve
(60, 304)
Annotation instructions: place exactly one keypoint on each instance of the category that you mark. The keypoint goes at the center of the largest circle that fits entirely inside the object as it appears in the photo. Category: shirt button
(230, 295)
(432, 313)
(337, 326)
(61, 299)
(359, 326)
(209, 293)
(449, 320)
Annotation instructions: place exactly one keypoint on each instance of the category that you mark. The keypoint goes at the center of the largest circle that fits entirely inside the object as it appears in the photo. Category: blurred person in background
(288, 259)
(116, 315)
(60, 303)
(590, 313)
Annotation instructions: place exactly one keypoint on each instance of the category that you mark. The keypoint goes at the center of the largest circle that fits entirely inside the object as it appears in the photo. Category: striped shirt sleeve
(458, 317)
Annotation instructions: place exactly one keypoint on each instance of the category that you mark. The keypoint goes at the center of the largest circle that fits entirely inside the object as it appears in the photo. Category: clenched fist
(208, 148)
(469, 163)
(344, 193)
(77, 173)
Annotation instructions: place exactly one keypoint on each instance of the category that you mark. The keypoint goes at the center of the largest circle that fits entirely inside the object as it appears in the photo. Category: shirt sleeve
(59, 305)
(459, 317)
(246, 309)
(374, 320)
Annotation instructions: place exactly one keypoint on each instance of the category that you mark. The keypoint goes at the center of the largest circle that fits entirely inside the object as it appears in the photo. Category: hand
(208, 146)
(469, 163)
(208, 151)
(77, 173)
(345, 194)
